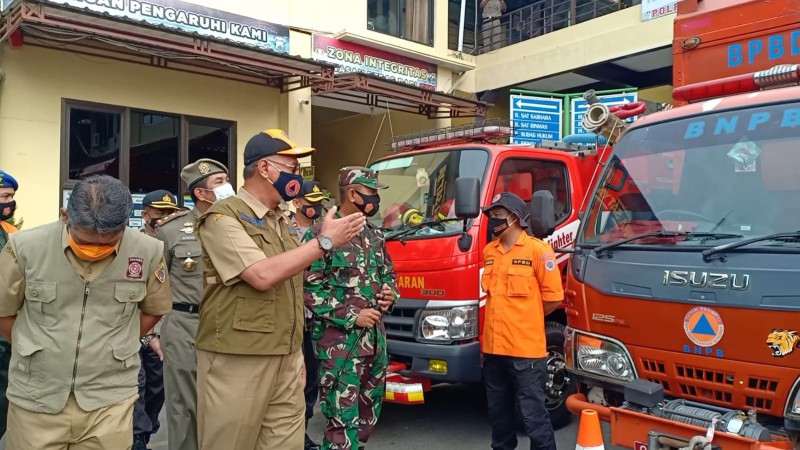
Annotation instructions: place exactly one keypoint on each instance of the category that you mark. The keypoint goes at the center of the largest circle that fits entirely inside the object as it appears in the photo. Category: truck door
(524, 176)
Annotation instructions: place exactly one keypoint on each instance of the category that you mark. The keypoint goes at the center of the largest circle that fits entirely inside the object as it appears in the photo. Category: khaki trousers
(180, 378)
(250, 402)
(109, 428)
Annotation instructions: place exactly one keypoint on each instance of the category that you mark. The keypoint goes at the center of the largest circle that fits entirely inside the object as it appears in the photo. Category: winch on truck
(682, 297)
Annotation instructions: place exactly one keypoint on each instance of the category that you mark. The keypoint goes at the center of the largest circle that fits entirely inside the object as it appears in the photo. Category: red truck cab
(435, 328)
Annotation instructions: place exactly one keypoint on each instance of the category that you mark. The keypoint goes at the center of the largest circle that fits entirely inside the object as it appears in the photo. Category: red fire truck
(683, 300)
(434, 330)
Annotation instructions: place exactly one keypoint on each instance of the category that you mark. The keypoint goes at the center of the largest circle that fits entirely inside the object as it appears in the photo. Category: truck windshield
(420, 198)
(733, 172)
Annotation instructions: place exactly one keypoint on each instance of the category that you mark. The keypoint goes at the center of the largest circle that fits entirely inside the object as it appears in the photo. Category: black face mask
(498, 226)
(312, 211)
(153, 222)
(370, 204)
(7, 210)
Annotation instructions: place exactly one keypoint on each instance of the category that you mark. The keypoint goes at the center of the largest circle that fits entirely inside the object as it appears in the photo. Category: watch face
(326, 243)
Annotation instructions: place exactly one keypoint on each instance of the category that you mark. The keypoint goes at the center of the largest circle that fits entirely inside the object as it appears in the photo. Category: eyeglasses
(293, 168)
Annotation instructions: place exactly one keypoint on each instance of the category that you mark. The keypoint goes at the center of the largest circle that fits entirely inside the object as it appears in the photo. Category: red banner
(350, 57)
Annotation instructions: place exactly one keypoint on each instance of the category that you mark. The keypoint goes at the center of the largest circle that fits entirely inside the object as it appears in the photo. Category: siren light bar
(490, 130)
(780, 75)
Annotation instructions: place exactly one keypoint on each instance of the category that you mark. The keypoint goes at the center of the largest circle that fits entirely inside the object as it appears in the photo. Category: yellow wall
(343, 139)
(30, 111)
(605, 38)
(659, 94)
(347, 17)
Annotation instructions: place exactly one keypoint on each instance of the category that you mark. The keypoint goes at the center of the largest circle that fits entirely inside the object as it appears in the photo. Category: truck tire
(559, 383)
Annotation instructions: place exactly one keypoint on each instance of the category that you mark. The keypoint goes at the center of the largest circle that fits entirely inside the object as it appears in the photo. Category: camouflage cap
(360, 175)
(200, 169)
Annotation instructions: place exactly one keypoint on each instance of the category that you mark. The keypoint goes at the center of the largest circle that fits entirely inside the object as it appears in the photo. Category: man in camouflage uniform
(309, 211)
(347, 290)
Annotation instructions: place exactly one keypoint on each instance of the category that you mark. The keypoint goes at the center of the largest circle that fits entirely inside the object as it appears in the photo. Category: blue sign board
(535, 119)
(579, 107)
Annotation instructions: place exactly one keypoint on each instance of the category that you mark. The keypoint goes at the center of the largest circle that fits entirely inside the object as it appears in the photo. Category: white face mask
(224, 191)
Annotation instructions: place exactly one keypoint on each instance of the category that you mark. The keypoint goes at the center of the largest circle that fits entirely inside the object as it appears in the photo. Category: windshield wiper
(734, 245)
(663, 233)
(411, 228)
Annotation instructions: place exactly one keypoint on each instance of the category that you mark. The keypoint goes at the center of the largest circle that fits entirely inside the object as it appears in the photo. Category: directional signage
(579, 107)
(535, 119)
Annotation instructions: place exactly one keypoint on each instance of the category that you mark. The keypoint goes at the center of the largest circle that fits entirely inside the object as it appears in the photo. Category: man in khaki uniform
(250, 371)
(8, 188)
(207, 181)
(155, 206)
(78, 294)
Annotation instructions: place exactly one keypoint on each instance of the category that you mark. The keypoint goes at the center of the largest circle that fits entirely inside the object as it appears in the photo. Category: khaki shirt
(232, 249)
(157, 301)
(183, 254)
(77, 322)
(236, 318)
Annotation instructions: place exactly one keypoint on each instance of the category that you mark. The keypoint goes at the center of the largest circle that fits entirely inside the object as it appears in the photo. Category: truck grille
(721, 382)
(400, 323)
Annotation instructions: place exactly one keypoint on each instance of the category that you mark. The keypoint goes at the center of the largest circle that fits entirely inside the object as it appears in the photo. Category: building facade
(137, 89)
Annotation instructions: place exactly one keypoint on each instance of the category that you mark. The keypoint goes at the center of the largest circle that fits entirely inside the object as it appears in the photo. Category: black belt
(185, 307)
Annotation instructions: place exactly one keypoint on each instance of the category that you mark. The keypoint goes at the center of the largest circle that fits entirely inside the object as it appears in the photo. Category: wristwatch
(146, 339)
(325, 243)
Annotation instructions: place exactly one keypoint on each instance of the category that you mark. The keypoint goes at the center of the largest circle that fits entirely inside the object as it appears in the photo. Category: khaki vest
(239, 319)
(72, 336)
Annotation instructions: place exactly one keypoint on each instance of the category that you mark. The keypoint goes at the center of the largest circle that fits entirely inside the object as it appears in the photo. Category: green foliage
(17, 222)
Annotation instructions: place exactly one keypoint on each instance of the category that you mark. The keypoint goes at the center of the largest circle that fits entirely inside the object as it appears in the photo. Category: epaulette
(171, 217)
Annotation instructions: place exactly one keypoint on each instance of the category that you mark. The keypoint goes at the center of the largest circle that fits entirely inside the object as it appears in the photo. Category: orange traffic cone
(590, 437)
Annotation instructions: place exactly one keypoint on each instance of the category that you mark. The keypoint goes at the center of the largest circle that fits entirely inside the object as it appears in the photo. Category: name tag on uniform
(521, 262)
(188, 238)
(488, 262)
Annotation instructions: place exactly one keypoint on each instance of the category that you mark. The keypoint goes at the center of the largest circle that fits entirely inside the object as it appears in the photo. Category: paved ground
(454, 417)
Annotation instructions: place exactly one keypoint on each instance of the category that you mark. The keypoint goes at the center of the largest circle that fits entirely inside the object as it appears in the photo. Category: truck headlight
(449, 324)
(600, 356)
(793, 405)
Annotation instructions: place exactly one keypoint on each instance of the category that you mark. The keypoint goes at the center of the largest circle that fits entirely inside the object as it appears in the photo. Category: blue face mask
(287, 184)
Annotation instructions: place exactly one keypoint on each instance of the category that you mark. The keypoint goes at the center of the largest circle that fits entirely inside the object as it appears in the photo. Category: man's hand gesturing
(343, 229)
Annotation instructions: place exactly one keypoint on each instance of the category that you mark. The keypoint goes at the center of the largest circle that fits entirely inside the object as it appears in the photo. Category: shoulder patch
(171, 217)
(161, 272)
(216, 217)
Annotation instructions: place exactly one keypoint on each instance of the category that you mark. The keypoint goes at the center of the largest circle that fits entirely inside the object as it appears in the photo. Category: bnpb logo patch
(703, 326)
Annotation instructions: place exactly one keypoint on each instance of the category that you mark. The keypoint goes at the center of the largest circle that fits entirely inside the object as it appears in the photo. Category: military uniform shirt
(342, 283)
(183, 255)
(157, 301)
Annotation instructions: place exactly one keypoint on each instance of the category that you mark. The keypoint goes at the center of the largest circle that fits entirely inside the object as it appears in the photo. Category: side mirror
(543, 211)
(468, 198)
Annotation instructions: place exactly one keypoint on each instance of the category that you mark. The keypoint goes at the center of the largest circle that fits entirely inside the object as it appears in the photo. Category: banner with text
(349, 57)
(188, 17)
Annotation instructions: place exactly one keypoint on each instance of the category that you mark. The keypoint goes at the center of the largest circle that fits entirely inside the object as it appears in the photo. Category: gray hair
(250, 169)
(100, 203)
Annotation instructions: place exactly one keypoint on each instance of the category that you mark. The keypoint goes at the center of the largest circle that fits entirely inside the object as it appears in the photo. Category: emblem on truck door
(737, 282)
(783, 342)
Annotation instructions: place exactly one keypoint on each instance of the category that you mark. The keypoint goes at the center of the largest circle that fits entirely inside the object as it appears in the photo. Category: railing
(539, 18)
